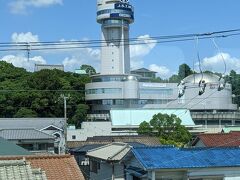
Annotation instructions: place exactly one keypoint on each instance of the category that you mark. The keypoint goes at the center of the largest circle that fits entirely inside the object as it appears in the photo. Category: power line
(130, 39)
(40, 46)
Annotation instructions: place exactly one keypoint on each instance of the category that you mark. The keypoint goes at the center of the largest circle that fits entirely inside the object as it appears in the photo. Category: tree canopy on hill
(37, 94)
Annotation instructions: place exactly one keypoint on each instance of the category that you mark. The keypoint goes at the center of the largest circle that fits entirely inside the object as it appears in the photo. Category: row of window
(115, 22)
(163, 92)
(133, 102)
(114, 78)
(107, 79)
(216, 122)
(104, 91)
(110, 11)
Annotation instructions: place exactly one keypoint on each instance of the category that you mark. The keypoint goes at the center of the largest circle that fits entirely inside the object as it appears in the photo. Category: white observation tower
(115, 17)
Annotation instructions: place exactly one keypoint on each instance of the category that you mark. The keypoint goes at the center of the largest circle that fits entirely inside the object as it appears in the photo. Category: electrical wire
(40, 46)
(130, 39)
(221, 54)
(199, 60)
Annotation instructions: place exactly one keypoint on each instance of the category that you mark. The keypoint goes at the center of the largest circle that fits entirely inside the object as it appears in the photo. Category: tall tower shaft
(115, 17)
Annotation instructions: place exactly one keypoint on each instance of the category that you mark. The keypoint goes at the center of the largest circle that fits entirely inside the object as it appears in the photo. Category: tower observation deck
(115, 17)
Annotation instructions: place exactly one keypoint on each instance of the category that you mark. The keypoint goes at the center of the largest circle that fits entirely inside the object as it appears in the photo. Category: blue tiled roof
(169, 157)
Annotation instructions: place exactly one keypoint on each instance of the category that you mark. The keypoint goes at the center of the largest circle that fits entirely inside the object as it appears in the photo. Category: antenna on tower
(28, 51)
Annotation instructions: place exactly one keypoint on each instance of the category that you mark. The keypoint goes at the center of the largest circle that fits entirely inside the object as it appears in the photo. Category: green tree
(89, 69)
(168, 128)
(174, 79)
(234, 79)
(39, 92)
(25, 113)
(184, 71)
(144, 128)
(80, 115)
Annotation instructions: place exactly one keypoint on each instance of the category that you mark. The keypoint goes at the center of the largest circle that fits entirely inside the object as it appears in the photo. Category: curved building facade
(126, 91)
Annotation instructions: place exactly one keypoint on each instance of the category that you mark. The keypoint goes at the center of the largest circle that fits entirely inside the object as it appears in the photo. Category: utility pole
(65, 105)
(65, 119)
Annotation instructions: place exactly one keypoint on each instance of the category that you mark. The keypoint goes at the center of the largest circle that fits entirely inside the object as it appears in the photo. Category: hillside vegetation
(38, 94)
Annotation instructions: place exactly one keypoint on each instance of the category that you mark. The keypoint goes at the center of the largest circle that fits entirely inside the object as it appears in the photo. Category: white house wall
(89, 129)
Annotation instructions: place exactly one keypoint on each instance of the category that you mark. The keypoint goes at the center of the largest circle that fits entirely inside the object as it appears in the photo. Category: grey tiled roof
(111, 152)
(19, 170)
(34, 123)
(143, 70)
(23, 134)
(147, 140)
(10, 149)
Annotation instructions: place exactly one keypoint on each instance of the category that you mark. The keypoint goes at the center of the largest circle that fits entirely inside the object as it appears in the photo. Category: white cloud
(82, 56)
(24, 37)
(216, 63)
(144, 45)
(71, 63)
(162, 71)
(22, 61)
(21, 6)
(136, 63)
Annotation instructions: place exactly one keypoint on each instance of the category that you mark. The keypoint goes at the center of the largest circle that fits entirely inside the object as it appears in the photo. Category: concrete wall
(225, 173)
(89, 129)
(174, 175)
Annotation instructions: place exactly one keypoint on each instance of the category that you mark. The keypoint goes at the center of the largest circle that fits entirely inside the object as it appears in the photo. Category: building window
(226, 122)
(73, 136)
(107, 102)
(118, 102)
(104, 91)
(94, 166)
(161, 92)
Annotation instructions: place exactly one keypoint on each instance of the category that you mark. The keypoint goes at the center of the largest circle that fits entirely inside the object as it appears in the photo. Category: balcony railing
(216, 115)
(93, 117)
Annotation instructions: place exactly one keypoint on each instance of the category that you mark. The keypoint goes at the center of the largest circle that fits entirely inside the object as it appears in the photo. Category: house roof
(110, 152)
(20, 169)
(219, 140)
(143, 70)
(10, 149)
(24, 134)
(146, 140)
(134, 117)
(86, 148)
(34, 123)
(169, 157)
(55, 166)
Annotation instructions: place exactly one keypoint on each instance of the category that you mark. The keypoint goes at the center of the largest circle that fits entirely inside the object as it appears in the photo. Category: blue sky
(53, 20)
